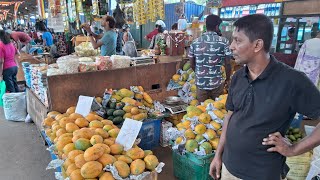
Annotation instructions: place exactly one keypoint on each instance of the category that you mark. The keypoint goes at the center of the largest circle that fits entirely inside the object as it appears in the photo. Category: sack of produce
(15, 106)
(120, 61)
(86, 49)
(87, 66)
(103, 63)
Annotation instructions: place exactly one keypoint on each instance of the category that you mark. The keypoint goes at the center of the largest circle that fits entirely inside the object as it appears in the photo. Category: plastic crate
(150, 134)
(191, 166)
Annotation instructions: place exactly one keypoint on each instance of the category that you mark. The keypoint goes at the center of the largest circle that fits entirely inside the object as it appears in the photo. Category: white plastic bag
(14, 106)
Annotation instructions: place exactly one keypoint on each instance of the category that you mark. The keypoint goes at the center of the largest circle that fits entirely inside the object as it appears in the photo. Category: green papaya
(119, 113)
(110, 112)
(117, 120)
(113, 105)
(110, 118)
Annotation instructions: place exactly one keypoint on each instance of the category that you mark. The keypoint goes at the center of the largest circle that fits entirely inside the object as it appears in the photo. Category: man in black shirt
(263, 98)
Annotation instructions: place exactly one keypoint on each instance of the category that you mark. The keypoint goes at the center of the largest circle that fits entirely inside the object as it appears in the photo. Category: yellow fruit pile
(132, 102)
(202, 128)
(187, 75)
(87, 145)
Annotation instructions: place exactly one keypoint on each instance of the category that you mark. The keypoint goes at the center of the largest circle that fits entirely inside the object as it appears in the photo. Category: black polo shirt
(260, 107)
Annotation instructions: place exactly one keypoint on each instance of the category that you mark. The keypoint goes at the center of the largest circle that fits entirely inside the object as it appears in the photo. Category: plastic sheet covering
(54, 164)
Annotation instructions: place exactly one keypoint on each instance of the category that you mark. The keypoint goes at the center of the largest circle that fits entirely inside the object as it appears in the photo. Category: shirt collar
(266, 72)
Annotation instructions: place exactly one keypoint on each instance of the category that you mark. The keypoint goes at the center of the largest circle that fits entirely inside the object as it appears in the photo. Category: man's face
(243, 50)
(104, 22)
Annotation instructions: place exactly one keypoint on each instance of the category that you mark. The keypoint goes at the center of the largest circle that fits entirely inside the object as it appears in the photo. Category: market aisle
(23, 155)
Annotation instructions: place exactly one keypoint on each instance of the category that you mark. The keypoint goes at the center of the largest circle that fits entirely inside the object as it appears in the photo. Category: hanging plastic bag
(2, 91)
(15, 107)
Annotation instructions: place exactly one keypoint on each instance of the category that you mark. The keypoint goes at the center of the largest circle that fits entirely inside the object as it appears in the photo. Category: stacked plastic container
(27, 75)
(39, 82)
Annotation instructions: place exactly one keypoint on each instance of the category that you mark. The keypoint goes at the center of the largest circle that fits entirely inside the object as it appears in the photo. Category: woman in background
(129, 45)
(157, 38)
(308, 60)
(8, 62)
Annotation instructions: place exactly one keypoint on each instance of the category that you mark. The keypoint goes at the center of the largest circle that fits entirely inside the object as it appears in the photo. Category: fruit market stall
(58, 92)
(91, 146)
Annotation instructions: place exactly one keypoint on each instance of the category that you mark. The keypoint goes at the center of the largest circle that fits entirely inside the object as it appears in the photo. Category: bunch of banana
(139, 12)
(152, 10)
(160, 9)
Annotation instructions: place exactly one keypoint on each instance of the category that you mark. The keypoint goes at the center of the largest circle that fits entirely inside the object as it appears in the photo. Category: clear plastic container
(68, 65)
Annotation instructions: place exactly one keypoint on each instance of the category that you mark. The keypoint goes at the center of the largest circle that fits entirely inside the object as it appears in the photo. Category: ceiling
(29, 7)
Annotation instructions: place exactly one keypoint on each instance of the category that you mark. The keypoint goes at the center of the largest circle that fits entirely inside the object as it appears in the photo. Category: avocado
(119, 113)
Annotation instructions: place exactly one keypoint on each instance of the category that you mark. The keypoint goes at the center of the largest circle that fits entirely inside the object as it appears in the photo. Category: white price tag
(84, 105)
(128, 133)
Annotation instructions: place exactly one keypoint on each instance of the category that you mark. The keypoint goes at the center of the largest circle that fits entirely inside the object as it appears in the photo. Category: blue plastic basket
(150, 134)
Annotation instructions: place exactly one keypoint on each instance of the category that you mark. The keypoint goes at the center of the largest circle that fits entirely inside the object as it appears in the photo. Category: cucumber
(119, 113)
(110, 112)
(117, 120)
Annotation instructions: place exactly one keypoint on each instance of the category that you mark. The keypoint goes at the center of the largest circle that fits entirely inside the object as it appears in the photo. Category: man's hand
(86, 27)
(215, 168)
(281, 144)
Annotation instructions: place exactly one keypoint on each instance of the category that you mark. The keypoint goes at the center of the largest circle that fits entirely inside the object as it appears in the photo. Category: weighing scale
(176, 109)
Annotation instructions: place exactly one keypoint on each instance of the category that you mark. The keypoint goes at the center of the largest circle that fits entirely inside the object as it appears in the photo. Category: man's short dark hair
(112, 21)
(257, 26)
(212, 21)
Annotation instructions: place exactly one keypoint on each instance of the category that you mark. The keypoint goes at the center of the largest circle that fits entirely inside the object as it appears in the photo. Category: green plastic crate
(191, 166)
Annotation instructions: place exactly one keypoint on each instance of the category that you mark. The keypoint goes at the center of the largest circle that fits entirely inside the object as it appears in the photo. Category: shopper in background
(308, 60)
(54, 49)
(21, 38)
(8, 62)
(47, 37)
(174, 27)
(182, 23)
(263, 98)
(129, 45)
(155, 39)
(107, 40)
(153, 33)
(209, 56)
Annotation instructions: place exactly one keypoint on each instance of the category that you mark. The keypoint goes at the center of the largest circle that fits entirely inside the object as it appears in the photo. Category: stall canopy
(228, 3)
